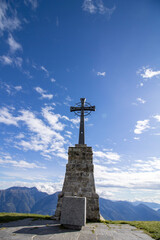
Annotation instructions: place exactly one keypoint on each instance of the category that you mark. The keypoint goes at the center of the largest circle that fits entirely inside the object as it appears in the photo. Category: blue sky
(52, 53)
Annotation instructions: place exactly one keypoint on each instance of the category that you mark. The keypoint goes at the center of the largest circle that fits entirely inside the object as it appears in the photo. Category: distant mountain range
(30, 200)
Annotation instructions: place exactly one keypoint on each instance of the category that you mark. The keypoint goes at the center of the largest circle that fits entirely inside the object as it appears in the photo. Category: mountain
(19, 199)
(47, 205)
(152, 205)
(123, 210)
(30, 200)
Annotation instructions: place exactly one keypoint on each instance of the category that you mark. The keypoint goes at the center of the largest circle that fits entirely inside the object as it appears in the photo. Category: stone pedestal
(79, 181)
(73, 212)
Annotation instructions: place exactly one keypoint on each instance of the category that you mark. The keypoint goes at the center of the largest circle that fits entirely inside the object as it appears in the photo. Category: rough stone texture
(79, 180)
(28, 229)
(73, 213)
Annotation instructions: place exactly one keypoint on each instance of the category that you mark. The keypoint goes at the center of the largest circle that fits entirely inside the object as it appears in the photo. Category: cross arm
(73, 109)
(90, 108)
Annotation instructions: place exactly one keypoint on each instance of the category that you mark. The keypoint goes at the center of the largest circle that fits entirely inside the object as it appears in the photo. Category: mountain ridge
(30, 200)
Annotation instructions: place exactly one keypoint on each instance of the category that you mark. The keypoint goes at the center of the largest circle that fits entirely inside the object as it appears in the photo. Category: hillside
(30, 200)
(19, 199)
(123, 210)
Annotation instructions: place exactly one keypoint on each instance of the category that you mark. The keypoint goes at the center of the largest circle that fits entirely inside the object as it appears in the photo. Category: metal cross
(82, 109)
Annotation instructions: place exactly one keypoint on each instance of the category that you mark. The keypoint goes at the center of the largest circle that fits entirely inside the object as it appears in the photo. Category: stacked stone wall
(79, 180)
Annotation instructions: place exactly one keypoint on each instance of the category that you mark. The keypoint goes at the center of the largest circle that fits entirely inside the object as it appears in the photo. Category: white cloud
(18, 88)
(141, 126)
(140, 100)
(136, 138)
(20, 136)
(103, 74)
(7, 118)
(39, 136)
(45, 70)
(53, 80)
(10, 89)
(107, 155)
(7, 160)
(43, 138)
(18, 61)
(68, 98)
(14, 46)
(146, 72)
(43, 93)
(33, 3)
(20, 164)
(8, 18)
(69, 133)
(127, 181)
(6, 60)
(157, 117)
(140, 175)
(49, 187)
(97, 6)
(89, 6)
(53, 119)
(75, 121)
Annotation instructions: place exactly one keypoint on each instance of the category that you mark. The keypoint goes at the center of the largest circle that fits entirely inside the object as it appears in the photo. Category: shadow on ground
(44, 230)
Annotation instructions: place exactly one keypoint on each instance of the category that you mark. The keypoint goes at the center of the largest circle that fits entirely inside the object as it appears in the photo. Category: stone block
(73, 212)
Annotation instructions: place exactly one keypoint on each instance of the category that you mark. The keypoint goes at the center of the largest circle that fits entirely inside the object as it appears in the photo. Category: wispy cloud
(12, 61)
(141, 126)
(18, 88)
(157, 117)
(6, 60)
(49, 187)
(147, 73)
(33, 3)
(14, 46)
(97, 6)
(7, 118)
(53, 80)
(45, 70)
(140, 100)
(74, 121)
(67, 101)
(40, 136)
(53, 119)
(19, 164)
(18, 61)
(8, 18)
(10, 89)
(141, 175)
(43, 93)
(89, 6)
(68, 134)
(103, 74)
(136, 138)
(107, 155)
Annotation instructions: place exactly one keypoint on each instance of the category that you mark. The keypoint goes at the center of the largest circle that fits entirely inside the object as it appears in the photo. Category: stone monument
(79, 177)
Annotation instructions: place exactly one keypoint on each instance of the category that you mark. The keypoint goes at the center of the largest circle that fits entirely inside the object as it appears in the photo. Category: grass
(8, 217)
(152, 228)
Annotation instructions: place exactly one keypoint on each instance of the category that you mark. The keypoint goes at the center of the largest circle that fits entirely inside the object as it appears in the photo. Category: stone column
(79, 180)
